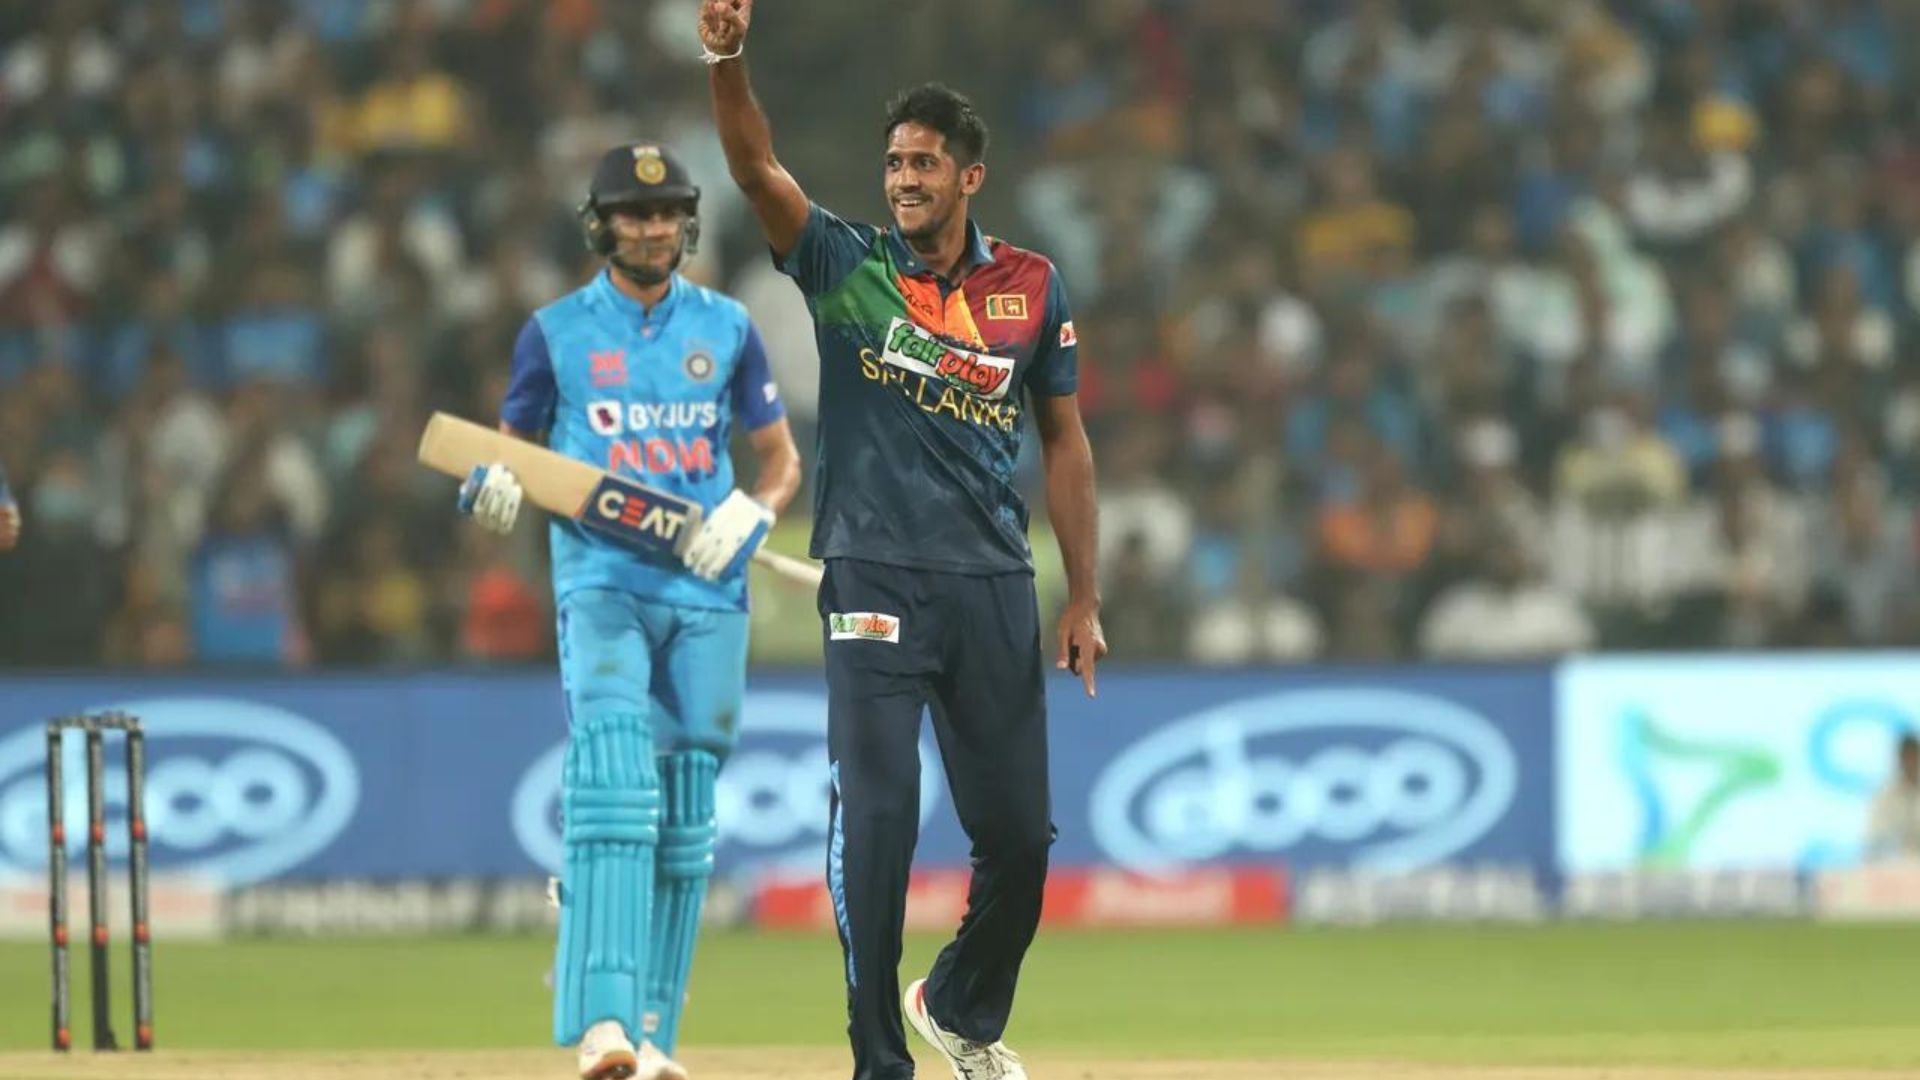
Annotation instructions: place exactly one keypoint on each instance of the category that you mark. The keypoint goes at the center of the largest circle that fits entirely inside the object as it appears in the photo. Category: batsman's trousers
(967, 648)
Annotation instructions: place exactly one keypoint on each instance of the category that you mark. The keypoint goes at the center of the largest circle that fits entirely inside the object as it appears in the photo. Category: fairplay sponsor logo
(863, 626)
(913, 349)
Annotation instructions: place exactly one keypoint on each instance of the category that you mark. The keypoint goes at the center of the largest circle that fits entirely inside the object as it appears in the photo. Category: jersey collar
(631, 309)
(978, 253)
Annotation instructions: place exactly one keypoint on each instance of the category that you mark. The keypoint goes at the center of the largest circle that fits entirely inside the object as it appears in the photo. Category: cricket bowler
(643, 373)
(935, 339)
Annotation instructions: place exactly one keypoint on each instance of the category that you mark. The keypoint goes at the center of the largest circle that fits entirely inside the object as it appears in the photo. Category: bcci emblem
(648, 166)
(699, 367)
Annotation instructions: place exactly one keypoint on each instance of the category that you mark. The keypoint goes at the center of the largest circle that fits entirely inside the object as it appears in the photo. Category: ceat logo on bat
(633, 515)
(863, 626)
(913, 349)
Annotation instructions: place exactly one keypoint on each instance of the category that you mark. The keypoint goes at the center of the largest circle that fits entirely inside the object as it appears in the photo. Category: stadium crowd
(1485, 328)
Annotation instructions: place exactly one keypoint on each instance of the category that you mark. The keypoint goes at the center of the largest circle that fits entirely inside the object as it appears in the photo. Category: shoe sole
(615, 1066)
(914, 1006)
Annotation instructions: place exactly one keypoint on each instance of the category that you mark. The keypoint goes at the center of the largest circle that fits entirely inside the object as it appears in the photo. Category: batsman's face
(647, 238)
(923, 182)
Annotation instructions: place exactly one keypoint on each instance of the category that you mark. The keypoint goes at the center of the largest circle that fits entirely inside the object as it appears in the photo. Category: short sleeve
(754, 396)
(6, 494)
(1056, 358)
(530, 390)
(827, 251)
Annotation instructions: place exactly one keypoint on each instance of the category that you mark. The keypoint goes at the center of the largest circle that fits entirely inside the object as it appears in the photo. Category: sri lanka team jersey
(648, 394)
(921, 389)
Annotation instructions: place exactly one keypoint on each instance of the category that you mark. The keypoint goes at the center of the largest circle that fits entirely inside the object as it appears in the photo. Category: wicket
(95, 727)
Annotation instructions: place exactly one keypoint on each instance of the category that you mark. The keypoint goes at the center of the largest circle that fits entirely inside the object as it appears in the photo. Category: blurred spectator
(1356, 403)
(1363, 621)
(1277, 630)
(1865, 551)
(503, 616)
(1139, 509)
(388, 256)
(258, 438)
(1490, 493)
(70, 57)
(1602, 65)
(1120, 202)
(242, 578)
(1893, 822)
(1620, 535)
(1373, 30)
(150, 628)
(1145, 612)
(1618, 463)
(1352, 233)
(1760, 278)
(1759, 559)
(414, 105)
(376, 609)
(50, 261)
(1679, 195)
(1387, 530)
(1505, 611)
(793, 355)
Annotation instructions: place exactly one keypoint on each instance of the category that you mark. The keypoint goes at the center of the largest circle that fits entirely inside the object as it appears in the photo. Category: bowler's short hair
(945, 110)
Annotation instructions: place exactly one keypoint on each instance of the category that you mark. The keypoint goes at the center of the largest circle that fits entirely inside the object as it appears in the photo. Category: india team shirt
(648, 394)
(921, 394)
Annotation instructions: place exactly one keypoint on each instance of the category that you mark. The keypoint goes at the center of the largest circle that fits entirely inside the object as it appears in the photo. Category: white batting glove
(728, 536)
(492, 497)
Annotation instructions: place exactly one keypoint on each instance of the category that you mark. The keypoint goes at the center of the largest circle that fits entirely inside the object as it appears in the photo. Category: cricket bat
(625, 511)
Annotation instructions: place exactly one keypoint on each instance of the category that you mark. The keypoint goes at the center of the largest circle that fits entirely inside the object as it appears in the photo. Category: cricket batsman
(644, 373)
(935, 339)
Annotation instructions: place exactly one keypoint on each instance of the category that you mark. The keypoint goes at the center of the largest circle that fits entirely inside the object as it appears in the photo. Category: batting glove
(728, 536)
(491, 496)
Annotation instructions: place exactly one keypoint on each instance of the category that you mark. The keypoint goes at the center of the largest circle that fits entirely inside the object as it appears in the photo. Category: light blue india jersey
(651, 395)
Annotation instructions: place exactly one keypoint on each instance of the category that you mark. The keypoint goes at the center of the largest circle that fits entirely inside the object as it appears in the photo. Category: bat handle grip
(798, 571)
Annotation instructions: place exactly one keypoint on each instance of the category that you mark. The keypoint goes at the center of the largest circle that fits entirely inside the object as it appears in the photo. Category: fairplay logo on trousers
(1378, 779)
(771, 798)
(237, 791)
(863, 626)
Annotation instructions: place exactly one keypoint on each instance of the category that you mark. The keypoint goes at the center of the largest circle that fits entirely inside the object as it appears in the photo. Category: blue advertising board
(457, 775)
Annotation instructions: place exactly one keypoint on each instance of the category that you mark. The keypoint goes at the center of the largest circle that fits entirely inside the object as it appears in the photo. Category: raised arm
(744, 132)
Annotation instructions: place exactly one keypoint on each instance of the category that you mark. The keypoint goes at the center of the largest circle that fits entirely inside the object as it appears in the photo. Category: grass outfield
(1731, 995)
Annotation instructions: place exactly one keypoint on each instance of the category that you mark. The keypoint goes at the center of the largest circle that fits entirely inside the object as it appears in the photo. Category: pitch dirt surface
(811, 1063)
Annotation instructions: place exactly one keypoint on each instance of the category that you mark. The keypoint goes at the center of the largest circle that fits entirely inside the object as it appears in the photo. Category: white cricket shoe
(606, 1053)
(654, 1064)
(969, 1060)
